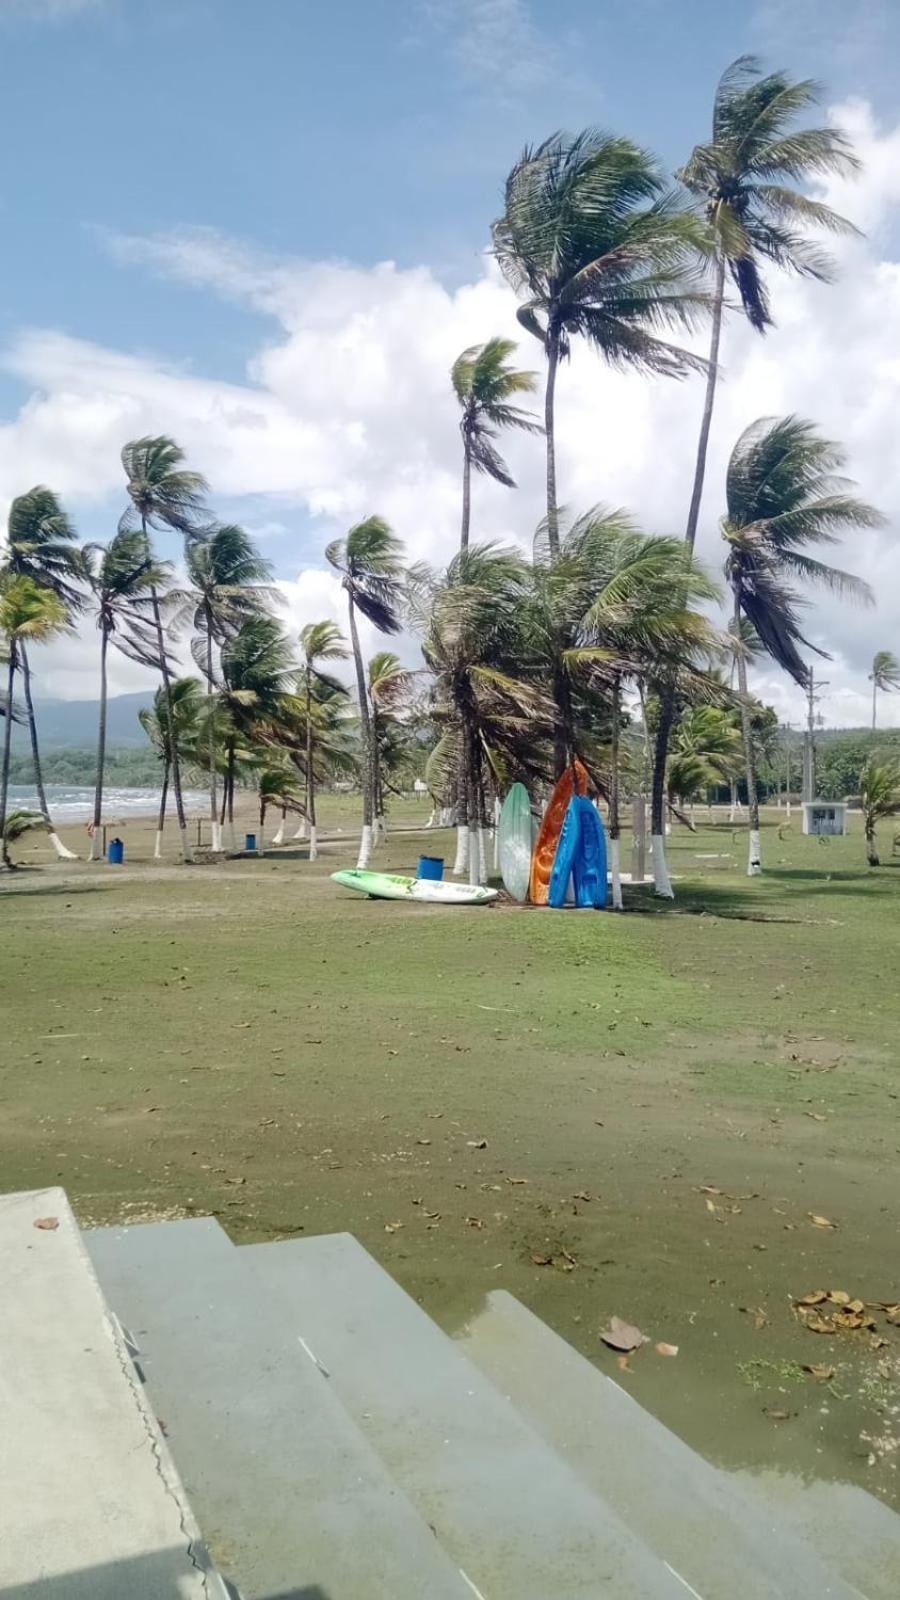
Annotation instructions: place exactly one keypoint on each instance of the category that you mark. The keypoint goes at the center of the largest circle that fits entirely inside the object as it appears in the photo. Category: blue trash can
(115, 854)
(250, 841)
(430, 867)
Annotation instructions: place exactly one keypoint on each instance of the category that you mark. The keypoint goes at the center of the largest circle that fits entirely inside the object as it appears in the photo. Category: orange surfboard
(548, 837)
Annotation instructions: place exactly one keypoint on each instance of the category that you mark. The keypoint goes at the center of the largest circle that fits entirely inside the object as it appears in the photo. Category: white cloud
(496, 43)
(347, 409)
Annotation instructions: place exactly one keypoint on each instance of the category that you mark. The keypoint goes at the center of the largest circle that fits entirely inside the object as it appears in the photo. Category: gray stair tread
(701, 1519)
(516, 1518)
(291, 1497)
(857, 1533)
(91, 1507)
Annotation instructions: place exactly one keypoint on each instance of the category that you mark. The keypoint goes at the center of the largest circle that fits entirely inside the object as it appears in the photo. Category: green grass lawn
(505, 1097)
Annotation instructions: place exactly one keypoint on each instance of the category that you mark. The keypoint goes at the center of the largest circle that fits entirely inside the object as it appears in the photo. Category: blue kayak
(589, 869)
(567, 849)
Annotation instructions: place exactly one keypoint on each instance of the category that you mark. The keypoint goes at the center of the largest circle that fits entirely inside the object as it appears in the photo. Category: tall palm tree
(27, 613)
(707, 750)
(597, 248)
(164, 495)
(784, 496)
(389, 684)
(258, 668)
(370, 561)
(879, 790)
(186, 696)
(41, 545)
(885, 675)
(746, 179)
(229, 583)
(319, 641)
(485, 383)
(123, 580)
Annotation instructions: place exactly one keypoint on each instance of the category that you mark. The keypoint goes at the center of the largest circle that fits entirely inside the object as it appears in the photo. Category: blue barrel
(115, 854)
(430, 867)
(250, 841)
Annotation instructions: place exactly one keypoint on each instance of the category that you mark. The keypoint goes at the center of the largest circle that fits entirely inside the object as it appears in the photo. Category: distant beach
(75, 803)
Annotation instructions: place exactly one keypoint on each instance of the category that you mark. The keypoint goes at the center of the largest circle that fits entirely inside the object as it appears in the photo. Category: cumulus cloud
(346, 409)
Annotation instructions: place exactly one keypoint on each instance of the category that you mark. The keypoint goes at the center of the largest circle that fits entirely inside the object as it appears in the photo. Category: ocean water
(76, 803)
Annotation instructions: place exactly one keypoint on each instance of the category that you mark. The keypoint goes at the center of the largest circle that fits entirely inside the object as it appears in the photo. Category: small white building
(825, 816)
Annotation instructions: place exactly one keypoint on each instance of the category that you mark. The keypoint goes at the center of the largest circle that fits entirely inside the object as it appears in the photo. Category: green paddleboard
(515, 833)
(384, 886)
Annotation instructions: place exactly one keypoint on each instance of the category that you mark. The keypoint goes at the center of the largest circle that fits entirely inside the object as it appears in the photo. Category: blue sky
(196, 195)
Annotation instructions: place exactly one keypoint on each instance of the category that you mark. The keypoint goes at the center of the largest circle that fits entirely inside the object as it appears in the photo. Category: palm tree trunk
(167, 693)
(662, 884)
(754, 862)
(7, 750)
(467, 494)
(310, 775)
(365, 843)
(614, 826)
(706, 421)
(279, 836)
(871, 850)
(229, 780)
(550, 430)
(461, 863)
(97, 836)
(161, 821)
(214, 827)
(62, 852)
(472, 805)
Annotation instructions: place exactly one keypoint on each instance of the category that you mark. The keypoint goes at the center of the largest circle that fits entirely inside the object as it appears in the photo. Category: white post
(616, 875)
(638, 838)
(313, 844)
(662, 883)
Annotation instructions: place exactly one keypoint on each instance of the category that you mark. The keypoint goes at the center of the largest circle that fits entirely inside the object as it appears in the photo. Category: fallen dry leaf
(816, 1116)
(48, 1224)
(474, 1222)
(815, 1298)
(477, 1144)
(820, 1222)
(820, 1373)
(542, 1261)
(709, 1188)
(666, 1349)
(622, 1335)
(839, 1297)
(818, 1325)
(582, 1195)
(778, 1416)
(516, 1181)
(391, 1227)
(623, 1364)
(758, 1313)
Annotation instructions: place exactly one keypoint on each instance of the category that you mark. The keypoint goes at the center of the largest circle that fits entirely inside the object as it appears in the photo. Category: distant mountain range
(73, 723)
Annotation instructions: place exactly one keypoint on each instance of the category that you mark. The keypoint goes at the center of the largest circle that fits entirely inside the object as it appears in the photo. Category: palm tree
(18, 823)
(707, 750)
(28, 613)
(484, 383)
(186, 697)
(276, 786)
(319, 641)
(745, 177)
(597, 248)
(783, 496)
(164, 495)
(228, 584)
(257, 666)
(370, 561)
(41, 546)
(389, 685)
(123, 579)
(885, 675)
(879, 790)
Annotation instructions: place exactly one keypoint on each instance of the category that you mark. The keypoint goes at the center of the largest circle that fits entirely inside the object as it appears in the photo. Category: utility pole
(788, 751)
(809, 749)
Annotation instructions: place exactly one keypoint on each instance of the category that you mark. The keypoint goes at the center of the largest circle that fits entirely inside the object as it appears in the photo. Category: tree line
(533, 663)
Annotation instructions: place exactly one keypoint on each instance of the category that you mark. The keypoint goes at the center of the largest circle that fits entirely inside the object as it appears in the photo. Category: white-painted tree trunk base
(446, 817)
(482, 856)
(215, 834)
(787, 810)
(616, 874)
(365, 848)
(301, 831)
(380, 831)
(754, 861)
(430, 822)
(187, 854)
(279, 837)
(94, 854)
(462, 850)
(157, 845)
(495, 835)
(62, 851)
(662, 884)
(232, 838)
(313, 846)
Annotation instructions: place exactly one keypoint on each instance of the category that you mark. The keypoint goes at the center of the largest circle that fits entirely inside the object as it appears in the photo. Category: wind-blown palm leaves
(370, 561)
(257, 667)
(123, 580)
(784, 496)
(707, 750)
(390, 685)
(879, 791)
(485, 384)
(28, 614)
(228, 584)
(885, 676)
(164, 495)
(745, 177)
(186, 698)
(596, 248)
(41, 545)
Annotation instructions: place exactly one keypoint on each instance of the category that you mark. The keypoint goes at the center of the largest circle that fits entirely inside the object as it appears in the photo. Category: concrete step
(858, 1534)
(91, 1507)
(694, 1516)
(290, 1495)
(520, 1522)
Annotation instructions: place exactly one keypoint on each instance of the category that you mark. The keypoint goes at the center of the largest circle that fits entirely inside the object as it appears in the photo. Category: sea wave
(74, 803)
